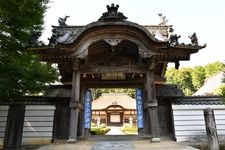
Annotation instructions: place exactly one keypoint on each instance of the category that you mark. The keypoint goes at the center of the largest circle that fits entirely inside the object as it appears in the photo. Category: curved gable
(113, 33)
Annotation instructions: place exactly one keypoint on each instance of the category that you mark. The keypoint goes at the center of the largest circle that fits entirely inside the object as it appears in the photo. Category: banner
(139, 108)
(87, 109)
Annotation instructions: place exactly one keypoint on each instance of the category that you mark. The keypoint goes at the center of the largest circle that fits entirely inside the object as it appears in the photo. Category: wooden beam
(151, 93)
(113, 84)
(105, 69)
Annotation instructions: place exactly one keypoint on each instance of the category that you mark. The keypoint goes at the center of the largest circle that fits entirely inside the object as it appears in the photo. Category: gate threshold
(115, 137)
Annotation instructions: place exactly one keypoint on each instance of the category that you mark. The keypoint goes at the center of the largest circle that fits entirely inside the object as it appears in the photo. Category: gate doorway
(113, 111)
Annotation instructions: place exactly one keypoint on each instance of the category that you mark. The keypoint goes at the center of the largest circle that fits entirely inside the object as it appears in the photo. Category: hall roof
(114, 99)
(211, 84)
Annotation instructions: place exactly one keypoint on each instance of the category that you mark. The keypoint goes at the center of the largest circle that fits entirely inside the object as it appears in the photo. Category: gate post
(14, 127)
(74, 103)
(213, 142)
(80, 132)
(61, 120)
(152, 104)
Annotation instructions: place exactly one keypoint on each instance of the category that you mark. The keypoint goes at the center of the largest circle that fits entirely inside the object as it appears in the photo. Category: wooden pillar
(61, 120)
(81, 132)
(74, 104)
(14, 127)
(152, 103)
(213, 142)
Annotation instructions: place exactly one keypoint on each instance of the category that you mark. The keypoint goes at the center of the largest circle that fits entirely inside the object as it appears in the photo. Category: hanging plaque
(113, 76)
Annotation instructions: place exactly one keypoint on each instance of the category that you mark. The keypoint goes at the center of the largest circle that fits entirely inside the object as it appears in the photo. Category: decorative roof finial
(194, 39)
(112, 14)
(173, 38)
(62, 21)
(112, 9)
(53, 39)
(163, 19)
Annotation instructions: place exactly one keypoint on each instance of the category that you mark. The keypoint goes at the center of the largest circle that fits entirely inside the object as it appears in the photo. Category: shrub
(129, 130)
(99, 131)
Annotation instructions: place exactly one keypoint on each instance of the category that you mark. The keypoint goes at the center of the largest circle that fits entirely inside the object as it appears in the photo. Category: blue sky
(205, 17)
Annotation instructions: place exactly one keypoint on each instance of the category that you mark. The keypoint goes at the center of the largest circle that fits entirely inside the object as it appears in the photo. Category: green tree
(97, 92)
(213, 68)
(223, 86)
(21, 73)
(182, 78)
(220, 90)
(191, 79)
(170, 76)
(198, 76)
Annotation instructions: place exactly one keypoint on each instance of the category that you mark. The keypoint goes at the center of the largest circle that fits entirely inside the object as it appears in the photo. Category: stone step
(114, 137)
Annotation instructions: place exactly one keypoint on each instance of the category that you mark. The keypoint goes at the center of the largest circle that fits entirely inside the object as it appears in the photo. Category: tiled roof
(34, 100)
(168, 90)
(199, 100)
(117, 99)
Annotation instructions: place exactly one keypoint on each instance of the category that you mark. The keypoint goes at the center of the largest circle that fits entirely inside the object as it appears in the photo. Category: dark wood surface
(210, 123)
(61, 120)
(14, 127)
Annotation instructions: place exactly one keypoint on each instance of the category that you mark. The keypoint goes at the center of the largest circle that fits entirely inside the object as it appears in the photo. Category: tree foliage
(198, 76)
(97, 92)
(182, 78)
(220, 90)
(21, 73)
(223, 88)
(191, 79)
(213, 68)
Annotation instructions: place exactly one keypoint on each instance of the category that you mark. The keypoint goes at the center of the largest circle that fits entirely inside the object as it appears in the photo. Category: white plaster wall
(3, 119)
(189, 124)
(38, 124)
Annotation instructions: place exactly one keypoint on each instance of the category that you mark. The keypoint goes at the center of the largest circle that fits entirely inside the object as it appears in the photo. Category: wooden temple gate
(110, 52)
(113, 52)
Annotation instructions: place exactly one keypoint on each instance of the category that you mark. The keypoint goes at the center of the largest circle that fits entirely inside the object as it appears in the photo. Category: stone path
(113, 145)
(115, 131)
(115, 141)
(163, 145)
(118, 145)
(81, 145)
